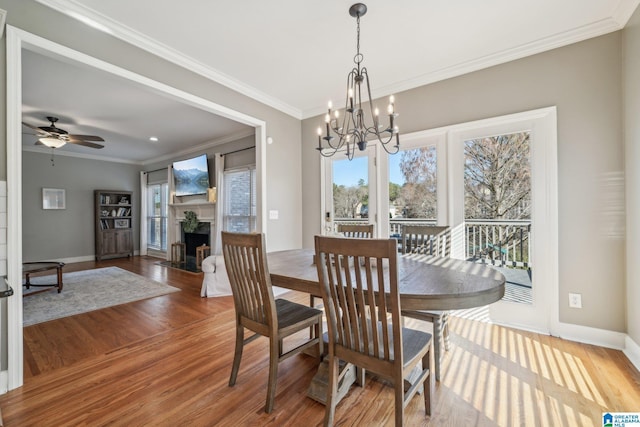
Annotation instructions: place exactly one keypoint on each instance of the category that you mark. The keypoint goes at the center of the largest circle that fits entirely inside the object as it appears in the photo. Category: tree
(394, 191)
(347, 200)
(497, 178)
(417, 195)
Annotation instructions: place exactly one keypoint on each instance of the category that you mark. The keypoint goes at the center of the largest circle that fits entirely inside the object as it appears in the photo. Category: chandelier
(353, 129)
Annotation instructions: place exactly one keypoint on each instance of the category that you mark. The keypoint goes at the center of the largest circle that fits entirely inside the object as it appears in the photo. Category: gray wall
(631, 71)
(283, 184)
(584, 82)
(69, 233)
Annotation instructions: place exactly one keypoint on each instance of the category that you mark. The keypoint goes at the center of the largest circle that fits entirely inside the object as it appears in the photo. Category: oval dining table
(425, 282)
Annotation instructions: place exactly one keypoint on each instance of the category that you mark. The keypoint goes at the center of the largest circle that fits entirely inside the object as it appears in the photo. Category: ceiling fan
(54, 137)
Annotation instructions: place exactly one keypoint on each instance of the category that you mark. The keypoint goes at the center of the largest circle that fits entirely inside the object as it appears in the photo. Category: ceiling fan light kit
(353, 129)
(52, 142)
(54, 137)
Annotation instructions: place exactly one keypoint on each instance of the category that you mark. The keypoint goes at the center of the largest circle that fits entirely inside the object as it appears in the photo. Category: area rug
(88, 290)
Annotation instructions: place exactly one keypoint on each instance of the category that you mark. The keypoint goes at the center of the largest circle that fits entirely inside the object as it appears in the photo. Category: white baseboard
(602, 338)
(4, 384)
(595, 336)
(83, 258)
(632, 351)
(77, 259)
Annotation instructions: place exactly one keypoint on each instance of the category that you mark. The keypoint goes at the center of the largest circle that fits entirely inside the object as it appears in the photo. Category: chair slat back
(361, 231)
(358, 293)
(426, 239)
(246, 262)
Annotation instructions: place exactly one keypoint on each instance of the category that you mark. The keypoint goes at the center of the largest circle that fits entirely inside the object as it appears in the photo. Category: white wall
(584, 82)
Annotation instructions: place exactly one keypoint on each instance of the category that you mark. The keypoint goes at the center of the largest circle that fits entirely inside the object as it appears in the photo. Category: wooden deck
(166, 361)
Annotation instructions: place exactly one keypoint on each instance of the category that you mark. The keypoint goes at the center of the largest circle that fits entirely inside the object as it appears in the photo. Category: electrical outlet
(575, 300)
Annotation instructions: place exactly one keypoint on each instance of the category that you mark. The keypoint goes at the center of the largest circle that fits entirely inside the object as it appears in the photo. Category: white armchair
(216, 282)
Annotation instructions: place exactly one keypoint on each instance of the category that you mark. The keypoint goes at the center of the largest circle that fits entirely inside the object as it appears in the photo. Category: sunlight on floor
(517, 379)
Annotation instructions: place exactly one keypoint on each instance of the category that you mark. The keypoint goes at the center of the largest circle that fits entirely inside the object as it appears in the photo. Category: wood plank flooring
(166, 361)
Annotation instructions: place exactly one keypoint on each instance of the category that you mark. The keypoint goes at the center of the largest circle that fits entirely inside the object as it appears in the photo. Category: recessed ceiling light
(153, 138)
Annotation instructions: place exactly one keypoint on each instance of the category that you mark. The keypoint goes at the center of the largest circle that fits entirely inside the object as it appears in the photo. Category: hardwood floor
(166, 361)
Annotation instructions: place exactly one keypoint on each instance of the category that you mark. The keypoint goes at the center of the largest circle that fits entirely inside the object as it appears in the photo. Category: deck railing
(504, 243)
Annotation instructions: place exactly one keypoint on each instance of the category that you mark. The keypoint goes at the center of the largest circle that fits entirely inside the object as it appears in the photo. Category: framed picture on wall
(53, 198)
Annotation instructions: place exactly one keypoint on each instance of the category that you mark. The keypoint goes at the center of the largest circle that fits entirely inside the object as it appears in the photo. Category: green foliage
(347, 201)
(190, 223)
(417, 196)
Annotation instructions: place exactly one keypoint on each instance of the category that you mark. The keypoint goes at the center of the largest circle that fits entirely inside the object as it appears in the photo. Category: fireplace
(204, 234)
(199, 237)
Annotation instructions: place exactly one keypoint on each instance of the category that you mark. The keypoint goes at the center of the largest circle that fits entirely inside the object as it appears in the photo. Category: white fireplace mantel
(204, 210)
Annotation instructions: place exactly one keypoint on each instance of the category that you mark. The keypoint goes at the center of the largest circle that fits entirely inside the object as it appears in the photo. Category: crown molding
(135, 38)
(618, 19)
(623, 12)
(202, 147)
(599, 28)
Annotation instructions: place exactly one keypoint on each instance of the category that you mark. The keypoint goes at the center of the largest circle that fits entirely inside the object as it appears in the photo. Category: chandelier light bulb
(330, 105)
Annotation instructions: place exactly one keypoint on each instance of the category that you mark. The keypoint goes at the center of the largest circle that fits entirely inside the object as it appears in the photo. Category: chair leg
(318, 330)
(274, 349)
(428, 383)
(437, 336)
(332, 392)
(312, 304)
(237, 356)
(361, 375)
(398, 388)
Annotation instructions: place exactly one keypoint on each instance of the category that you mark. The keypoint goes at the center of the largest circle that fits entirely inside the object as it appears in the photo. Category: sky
(348, 173)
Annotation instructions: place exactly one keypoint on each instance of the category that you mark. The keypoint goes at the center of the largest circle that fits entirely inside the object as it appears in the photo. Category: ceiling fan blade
(39, 132)
(31, 126)
(84, 143)
(84, 137)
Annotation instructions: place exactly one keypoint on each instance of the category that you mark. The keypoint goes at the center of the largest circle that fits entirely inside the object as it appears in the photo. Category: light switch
(273, 214)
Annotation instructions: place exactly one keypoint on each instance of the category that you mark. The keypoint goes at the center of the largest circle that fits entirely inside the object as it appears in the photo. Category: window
(240, 200)
(157, 199)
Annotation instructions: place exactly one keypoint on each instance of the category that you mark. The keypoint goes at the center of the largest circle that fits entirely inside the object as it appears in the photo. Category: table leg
(59, 268)
(27, 283)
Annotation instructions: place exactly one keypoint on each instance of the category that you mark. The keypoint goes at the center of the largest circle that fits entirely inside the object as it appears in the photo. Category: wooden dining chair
(362, 305)
(435, 241)
(256, 309)
(362, 231)
(358, 231)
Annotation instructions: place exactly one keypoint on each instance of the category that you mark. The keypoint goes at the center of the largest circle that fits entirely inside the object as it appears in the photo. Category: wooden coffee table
(35, 267)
